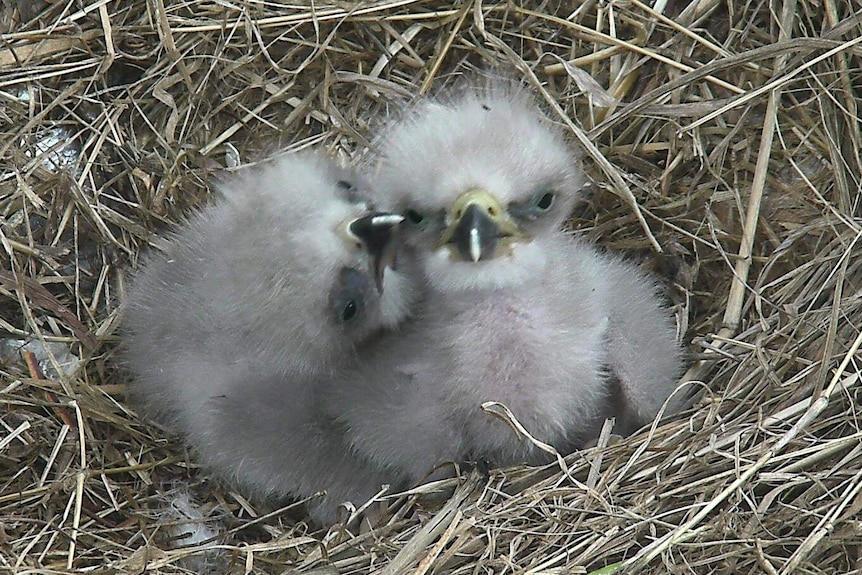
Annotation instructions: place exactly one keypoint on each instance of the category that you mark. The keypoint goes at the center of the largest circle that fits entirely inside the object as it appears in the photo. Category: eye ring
(545, 201)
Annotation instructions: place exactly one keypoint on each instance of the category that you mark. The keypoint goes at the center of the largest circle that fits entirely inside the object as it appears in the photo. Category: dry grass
(727, 133)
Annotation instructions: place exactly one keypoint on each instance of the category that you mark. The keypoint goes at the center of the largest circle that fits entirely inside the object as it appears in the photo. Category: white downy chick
(258, 300)
(516, 312)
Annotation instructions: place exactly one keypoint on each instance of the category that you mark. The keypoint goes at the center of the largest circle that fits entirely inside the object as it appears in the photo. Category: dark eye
(414, 217)
(350, 295)
(349, 312)
(350, 191)
(533, 207)
(545, 201)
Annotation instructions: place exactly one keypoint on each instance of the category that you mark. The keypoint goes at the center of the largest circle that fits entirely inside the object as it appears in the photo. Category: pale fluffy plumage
(232, 332)
(550, 327)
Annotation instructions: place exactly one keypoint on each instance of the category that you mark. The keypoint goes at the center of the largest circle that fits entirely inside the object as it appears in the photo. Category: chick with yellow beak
(519, 318)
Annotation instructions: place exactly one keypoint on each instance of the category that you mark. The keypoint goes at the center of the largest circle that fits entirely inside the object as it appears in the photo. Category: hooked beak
(376, 233)
(480, 228)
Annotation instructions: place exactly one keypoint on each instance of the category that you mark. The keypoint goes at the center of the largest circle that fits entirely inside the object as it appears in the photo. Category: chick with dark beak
(479, 228)
(375, 233)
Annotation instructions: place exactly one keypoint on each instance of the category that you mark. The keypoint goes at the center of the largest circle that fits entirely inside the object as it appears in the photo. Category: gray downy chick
(255, 305)
(516, 312)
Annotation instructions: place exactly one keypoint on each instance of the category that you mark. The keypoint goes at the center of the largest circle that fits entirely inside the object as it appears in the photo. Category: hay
(726, 133)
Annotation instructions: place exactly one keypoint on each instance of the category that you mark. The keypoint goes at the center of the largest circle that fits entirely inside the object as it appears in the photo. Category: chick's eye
(414, 217)
(350, 295)
(351, 192)
(533, 207)
(349, 312)
(545, 201)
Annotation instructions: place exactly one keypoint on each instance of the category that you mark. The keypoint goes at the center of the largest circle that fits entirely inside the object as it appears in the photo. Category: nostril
(492, 211)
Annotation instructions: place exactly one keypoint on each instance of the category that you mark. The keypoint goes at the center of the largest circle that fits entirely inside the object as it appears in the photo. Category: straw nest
(724, 143)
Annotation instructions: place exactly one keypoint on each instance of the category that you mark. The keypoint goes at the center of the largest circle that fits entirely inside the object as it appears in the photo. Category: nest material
(725, 134)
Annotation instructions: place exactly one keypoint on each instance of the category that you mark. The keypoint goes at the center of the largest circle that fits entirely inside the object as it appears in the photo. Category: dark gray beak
(479, 229)
(476, 235)
(377, 233)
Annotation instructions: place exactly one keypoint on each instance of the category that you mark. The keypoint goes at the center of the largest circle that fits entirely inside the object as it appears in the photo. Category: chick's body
(516, 311)
(541, 353)
(255, 305)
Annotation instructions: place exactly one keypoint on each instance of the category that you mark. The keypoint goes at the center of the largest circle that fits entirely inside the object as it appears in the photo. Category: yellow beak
(480, 228)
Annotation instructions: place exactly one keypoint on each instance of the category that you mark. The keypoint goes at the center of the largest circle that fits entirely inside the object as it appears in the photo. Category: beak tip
(377, 271)
(390, 220)
(475, 245)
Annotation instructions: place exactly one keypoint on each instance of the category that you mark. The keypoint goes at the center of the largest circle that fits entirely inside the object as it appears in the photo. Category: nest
(724, 143)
